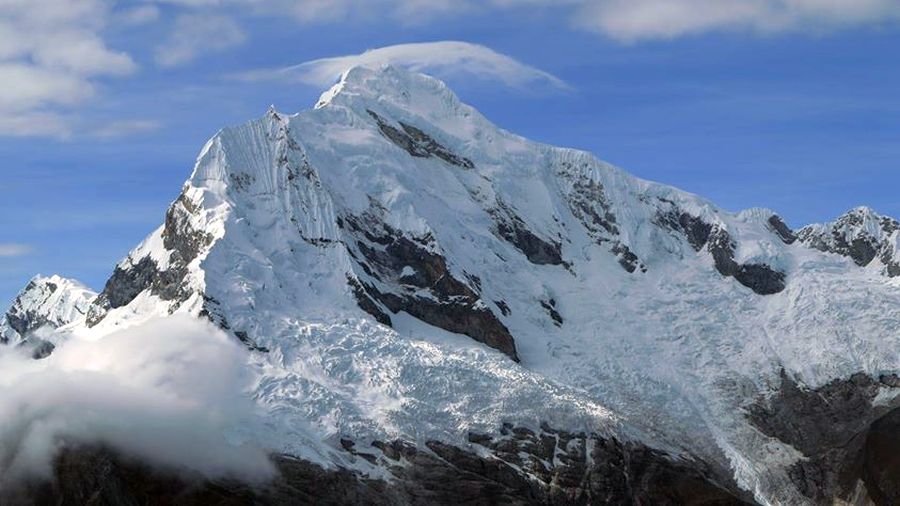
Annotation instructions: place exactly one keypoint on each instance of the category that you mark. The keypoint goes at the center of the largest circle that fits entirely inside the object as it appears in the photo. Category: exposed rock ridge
(861, 235)
(400, 273)
(759, 277)
(417, 143)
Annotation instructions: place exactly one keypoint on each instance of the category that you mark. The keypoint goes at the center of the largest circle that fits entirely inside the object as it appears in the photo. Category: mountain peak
(51, 301)
(393, 87)
(861, 234)
(860, 220)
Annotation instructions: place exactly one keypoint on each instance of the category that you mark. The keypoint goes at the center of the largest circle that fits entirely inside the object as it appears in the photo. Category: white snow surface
(668, 356)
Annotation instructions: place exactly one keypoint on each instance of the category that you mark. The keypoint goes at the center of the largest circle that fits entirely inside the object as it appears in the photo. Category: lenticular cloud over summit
(447, 57)
(167, 392)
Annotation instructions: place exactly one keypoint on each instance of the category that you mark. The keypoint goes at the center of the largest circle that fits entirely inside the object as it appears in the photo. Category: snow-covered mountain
(867, 237)
(44, 304)
(429, 297)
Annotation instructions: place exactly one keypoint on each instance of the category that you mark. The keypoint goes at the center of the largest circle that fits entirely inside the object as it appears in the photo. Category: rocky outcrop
(588, 202)
(626, 258)
(183, 244)
(513, 229)
(401, 273)
(128, 281)
(760, 278)
(417, 143)
(832, 426)
(784, 232)
(881, 460)
(861, 235)
(549, 306)
(518, 466)
(695, 230)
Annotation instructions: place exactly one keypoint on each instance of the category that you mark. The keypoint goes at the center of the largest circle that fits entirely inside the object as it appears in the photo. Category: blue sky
(786, 104)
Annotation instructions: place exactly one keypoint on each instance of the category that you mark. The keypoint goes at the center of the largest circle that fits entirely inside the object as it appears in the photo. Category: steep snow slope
(405, 269)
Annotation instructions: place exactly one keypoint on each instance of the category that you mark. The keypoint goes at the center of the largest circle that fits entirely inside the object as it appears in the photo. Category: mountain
(863, 235)
(44, 304)
(441, 311)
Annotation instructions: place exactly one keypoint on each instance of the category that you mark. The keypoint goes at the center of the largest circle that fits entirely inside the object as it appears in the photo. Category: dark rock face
(24, 321)
(862, 250)
(179, 236)
(579, 468)
(881, 460)
(184, 244)
(366, 303)
(522, 467)
(891, 261)
(96, 477)
(781, 229)
(626, 258)
(126, 284)
(550, 307)
(695, 229)
(417, 143)
(833, 427)
(588, 203)
(760, 278)
(512, 229)
(860, 246)
(398, 268)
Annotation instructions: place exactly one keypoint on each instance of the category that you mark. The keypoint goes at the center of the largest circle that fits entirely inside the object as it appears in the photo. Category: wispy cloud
(197, 34)
(441, 58)
(139, 15)
(124, 128)
(622, 20)
(8, 250)
(638, 20)
(408, 12)
(51, 52)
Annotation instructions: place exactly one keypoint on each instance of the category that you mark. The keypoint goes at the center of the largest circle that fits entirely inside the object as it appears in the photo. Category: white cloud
(196, 34)
(55, 59)
(636, 20)
(623, 20)
(51, 52)
(139, 15)
(123, 128)
(316, 11)
(14, 250)
(168, 392)
(441, 58)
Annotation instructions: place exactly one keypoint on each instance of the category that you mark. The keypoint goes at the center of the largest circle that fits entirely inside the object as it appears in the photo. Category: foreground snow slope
(402, 267)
